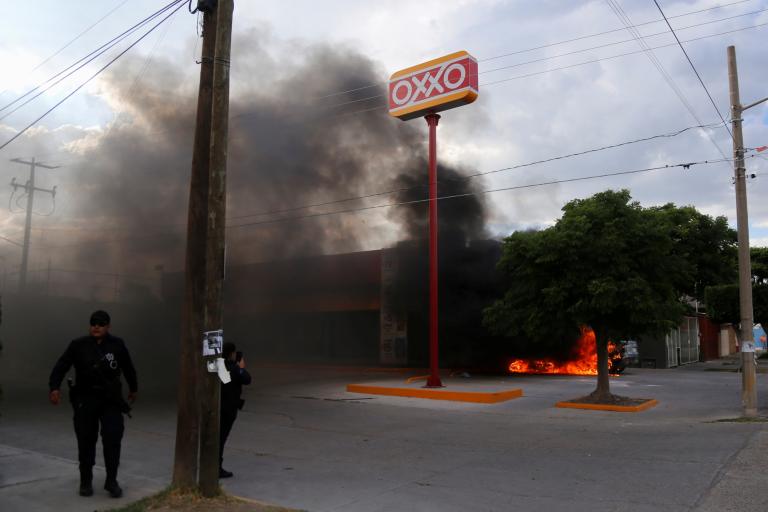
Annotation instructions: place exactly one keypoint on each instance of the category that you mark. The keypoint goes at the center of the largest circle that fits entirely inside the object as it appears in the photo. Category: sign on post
(433, 86)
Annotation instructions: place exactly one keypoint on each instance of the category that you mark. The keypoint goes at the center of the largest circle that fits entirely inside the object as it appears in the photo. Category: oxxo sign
(434, 86)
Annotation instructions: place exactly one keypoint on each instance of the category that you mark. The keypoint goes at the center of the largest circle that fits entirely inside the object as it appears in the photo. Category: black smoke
(307, 128)
(291, 145)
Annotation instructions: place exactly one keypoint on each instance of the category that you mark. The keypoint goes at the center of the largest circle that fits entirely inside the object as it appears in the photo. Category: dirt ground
(612, 400)
(175, 502)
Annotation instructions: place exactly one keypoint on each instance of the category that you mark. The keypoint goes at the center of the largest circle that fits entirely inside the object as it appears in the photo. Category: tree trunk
(603, 390)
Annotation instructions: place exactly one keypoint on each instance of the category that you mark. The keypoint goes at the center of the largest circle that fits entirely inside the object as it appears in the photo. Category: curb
(437, 394)
(606, 407)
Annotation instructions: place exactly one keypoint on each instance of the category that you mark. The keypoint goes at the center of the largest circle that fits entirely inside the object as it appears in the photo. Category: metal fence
(683, 343)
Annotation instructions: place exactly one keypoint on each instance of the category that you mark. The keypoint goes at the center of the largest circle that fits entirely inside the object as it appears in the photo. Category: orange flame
(584, 361)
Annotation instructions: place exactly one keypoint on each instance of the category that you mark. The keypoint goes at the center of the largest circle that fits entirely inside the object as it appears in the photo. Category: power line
(495, 171)
(14, 242)
(685, 165)
(612, 31)
(504, 169)
(527, 75)
(82, 62)
(615, 43)
(139, 74)
(518, 77)
(534, 48)
(78, 36)
(611, 57)
(619, 11)
(694, 69)
(181, 4)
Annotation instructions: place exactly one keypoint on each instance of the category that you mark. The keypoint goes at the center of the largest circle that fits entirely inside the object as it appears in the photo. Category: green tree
(722, 300)
(707, 245)
(759, 260)
(722, 303)
(607, 263)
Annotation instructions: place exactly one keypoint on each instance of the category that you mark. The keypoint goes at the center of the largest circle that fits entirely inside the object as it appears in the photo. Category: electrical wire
(78, 36)
(53, 210)
(139, 74)
(10, 201)
(615, 43)
(624, 18)
(610, 57)
(18, 200)
(79, 64)
(685, 165)
(405, 189)
(549, 45)
(528, 75)
(550, 70)
(485, 173)
(17, 135)
(694, 69)
(14, 242)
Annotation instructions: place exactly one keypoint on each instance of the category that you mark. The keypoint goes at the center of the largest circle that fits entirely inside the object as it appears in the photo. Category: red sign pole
(434, 370)
(424, 90)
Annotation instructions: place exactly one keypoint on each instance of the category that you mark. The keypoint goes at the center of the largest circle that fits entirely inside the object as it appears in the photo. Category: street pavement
(302, 441)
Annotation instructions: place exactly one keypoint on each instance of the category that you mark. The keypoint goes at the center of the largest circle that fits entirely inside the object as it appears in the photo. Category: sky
(549, 87)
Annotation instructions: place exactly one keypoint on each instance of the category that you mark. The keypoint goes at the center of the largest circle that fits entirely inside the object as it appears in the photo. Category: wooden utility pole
(187, 456)
(30, 189)
(747, 342)
(215, 254)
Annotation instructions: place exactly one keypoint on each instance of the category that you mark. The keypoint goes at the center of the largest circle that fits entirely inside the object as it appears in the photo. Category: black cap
(100, 317)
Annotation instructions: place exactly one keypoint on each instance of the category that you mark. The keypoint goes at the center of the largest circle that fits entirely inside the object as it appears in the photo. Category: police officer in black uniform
(99, 360)
(230, 397)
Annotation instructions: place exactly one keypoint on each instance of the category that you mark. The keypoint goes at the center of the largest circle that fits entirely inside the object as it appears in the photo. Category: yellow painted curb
(438, 394)
(605, 407)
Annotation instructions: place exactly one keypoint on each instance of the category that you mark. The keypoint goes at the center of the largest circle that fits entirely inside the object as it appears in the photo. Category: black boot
(113, 488)
(86, 482)
(86, 488)
(223, 473)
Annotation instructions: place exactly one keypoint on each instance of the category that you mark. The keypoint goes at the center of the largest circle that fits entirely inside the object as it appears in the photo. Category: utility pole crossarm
(754, 104)
(35, 163)
(30, 188)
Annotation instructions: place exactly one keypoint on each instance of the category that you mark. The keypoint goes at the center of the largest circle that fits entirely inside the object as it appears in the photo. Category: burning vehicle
(583, 360)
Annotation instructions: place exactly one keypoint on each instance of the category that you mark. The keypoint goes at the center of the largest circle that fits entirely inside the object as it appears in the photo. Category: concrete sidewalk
(32, 481)
(302, 441)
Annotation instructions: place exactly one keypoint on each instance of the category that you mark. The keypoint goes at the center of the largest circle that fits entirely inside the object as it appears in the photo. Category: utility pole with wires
(747, 342)
(216, 245)
(187, 451)
(29, 189)
(197, 434)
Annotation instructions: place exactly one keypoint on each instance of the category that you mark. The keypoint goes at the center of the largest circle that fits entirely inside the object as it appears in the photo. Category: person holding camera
(230, 397)
(99, 360)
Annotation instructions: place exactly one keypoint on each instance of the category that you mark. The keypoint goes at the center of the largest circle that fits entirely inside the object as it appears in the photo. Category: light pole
(747, 344)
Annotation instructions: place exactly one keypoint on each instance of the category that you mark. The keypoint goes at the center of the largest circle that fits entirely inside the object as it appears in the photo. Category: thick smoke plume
(291, 144)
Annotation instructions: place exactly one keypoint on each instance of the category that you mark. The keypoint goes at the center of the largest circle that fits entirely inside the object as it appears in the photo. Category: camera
(238, 356)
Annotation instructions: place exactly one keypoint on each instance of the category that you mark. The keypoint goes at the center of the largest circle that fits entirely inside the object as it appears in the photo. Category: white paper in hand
(223, 373)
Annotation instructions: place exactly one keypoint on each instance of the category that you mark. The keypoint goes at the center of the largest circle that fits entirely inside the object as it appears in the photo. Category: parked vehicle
(631, 354)
(622, 355)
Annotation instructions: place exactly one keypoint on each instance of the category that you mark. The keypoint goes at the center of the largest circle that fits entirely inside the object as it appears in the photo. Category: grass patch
(145, 503)
(174, 500)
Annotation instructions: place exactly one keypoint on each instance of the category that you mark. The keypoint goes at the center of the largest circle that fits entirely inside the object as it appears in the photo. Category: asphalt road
(302, 441)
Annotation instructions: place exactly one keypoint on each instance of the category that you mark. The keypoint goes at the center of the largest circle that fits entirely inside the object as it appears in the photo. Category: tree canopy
(610, 264)
(722, 300)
